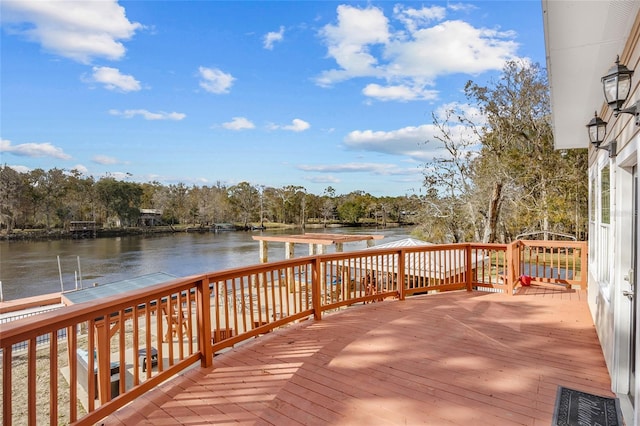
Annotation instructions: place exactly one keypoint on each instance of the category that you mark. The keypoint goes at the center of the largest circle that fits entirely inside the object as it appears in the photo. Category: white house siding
(612, 242)
(582, 41)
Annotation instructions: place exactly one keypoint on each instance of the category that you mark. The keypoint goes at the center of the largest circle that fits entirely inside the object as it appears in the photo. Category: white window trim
(600, 236)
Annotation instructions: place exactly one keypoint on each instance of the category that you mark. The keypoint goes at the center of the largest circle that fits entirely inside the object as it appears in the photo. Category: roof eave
(582, 39)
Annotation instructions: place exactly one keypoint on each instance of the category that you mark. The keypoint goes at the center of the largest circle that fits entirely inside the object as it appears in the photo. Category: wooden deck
(449, 359)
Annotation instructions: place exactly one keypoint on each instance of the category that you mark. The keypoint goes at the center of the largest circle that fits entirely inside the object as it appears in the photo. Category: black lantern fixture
(597, 128)
(617, 86)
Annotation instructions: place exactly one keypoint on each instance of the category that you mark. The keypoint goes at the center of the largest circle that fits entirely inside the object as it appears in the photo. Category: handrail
(554, 262)
(135, 341)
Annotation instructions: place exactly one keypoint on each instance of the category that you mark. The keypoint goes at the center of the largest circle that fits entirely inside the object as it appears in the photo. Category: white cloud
(105, 160)
(120, 175)
(214, 80)
(461, 7)
(297, 125)
(273, 37)
(408, 141)
(398, 93)
(33, 150)
(80, 168)
(350, 41)
(20, 169)
(323, 179)
(415, 18)
(450, 47)
(238, 123)
(148, 115)
(470, 112)
(419, 143)
(114, 80)
(383, 169)
(410, 50)
(79, 30)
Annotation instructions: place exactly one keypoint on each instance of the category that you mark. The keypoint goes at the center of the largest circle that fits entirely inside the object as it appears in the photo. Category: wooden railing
(553, 262)
(133, 342)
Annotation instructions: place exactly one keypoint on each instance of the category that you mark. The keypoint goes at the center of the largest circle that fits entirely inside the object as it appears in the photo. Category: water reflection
(31, 268)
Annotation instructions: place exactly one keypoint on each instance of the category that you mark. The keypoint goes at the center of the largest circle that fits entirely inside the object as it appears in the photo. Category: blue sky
(310, 93)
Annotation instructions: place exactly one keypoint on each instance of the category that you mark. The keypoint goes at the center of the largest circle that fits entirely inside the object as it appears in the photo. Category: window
(592, 199)
(593, 211)
(604, 227)
(605, 196)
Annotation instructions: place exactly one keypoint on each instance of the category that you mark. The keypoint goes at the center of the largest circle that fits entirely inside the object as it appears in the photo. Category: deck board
(455, 358)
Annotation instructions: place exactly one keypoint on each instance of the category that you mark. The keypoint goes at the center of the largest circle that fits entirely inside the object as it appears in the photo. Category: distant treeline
(53, 199)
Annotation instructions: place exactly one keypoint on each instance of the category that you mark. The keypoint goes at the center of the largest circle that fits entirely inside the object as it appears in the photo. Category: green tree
(518, 151)
(81, 196)
(148, 197)
(501, 174)
(245, 199)
(291, 199)
(11, 188)
(271, 205)
(313, 205)
(328, 205)
(48, 189)
(177, 205)
(214, 205)
(351, 211)
(121, 199)
(352, 207)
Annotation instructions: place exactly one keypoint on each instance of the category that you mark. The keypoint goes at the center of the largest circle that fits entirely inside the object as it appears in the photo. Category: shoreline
(62, 234)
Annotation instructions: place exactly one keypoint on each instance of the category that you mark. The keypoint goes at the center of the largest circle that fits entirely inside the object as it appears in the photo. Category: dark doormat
(575, 408)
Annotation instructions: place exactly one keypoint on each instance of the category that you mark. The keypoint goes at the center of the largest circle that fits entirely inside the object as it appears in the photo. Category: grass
(19, 387)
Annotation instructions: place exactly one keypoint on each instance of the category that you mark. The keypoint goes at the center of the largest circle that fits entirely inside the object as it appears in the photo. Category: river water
(30, 268)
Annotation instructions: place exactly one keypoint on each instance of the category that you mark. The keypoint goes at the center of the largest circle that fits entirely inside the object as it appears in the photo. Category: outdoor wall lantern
(597, 130)
(617, 85)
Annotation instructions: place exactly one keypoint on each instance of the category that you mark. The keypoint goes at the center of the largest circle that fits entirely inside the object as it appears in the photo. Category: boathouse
(150, 217)
(82, 229)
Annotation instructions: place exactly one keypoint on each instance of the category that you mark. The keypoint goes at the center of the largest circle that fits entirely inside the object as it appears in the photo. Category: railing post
(469, 262)
(72, 347)
(315, 290)
(584, 265)
(400, 278)
(7, 410)
(204, 322)
(104, 360)
(520, 257)
(31, 382)
(509, 273)
(469, 267)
